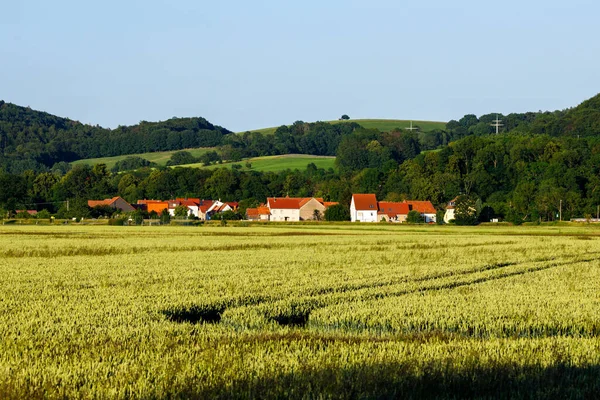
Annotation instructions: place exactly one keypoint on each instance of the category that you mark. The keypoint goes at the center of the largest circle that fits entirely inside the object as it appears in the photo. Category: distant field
(276, 163)
(159, 157)
(383, 125)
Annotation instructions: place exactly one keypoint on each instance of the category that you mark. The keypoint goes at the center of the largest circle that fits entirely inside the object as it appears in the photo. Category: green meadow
(159, 157)
(384, 125)
(275, 163)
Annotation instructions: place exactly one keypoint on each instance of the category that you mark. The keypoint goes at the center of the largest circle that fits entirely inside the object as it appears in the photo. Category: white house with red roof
(284, 208)
(363, 208)
(425, 208)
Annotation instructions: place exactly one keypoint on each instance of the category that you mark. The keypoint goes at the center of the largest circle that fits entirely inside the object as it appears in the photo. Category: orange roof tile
(365, 201)
(289, 203)
(424, 207)
(328, 204)
(393, 208)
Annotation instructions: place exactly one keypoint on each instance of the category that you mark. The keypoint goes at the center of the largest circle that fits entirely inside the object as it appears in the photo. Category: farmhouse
(392, 211)
(363, 208)
(203, 207)
(284, 208)
(425, 208)
(261, 213)
(118, 203)
(312, 209)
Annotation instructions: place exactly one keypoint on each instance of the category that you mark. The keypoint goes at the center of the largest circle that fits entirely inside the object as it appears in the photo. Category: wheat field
(299, 311)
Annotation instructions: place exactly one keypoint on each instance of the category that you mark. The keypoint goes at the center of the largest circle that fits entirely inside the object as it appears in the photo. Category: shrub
(414, 217)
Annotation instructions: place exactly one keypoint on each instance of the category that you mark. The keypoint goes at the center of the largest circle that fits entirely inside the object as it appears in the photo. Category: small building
(33, 213)
(425, 208)
(203, 207)
(449, 214)
(118, 203)
(392, 211)
(363, 208)
(309, 206)
(157, 206)
(261, 213)
(284, 208)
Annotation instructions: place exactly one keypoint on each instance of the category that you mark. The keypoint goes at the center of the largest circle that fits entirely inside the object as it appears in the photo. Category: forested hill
(37, 140)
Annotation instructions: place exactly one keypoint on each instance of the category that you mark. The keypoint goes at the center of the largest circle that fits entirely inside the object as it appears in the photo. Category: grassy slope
(383, 125)
(160, 157)
(277, 163)
(268, 163)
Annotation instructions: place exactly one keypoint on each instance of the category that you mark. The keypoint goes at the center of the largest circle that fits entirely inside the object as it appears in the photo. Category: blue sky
(247, 65)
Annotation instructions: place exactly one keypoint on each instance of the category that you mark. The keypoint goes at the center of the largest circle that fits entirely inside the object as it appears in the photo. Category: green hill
(275, 163)
(384, 125)
(159, 157)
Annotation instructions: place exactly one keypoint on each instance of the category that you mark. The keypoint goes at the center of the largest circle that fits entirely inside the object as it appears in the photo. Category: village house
(203, 207)
(392, 211)
(284, 208)
(309, 207)
(363, 208)
(425, 208)
(449, 214)
(261, 213)
(218, 207)
(118, 203)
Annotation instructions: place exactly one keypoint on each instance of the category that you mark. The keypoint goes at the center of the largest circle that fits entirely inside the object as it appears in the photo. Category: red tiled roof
(305, 200)
(262, 210)
(424, 207)
(256, 212)
(204, 205)
(30, 212)
(105, 202)
(393, 208)
(290, 203)
(328, 204)
(365, 201)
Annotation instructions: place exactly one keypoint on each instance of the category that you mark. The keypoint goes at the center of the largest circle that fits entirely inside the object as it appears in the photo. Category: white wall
(449, 215)
(362, 215)
(429, 217)
(285, 214)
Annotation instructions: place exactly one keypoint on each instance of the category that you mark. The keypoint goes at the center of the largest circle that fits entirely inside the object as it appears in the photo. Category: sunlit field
(299, 311)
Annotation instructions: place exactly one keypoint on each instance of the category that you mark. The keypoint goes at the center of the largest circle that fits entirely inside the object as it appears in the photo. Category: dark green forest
(538, 161)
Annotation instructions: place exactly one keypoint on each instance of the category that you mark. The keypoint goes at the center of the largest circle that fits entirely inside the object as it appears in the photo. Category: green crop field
(384, 125)
(299, 311)
(159, 157)
(275, 163)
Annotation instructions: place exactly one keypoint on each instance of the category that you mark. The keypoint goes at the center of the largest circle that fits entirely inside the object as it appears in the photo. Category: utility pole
(598, 213)
(497, 124)
(560, 210)
(67, 205)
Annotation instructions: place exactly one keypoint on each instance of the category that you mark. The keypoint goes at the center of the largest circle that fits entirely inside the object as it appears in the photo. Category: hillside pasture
(299, 311)
(274, 163)
(159, 157)
(384, 125)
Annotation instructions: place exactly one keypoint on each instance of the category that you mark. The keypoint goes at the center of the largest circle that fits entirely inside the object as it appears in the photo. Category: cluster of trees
(185, 157)
(515, 177)
(33, 140)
